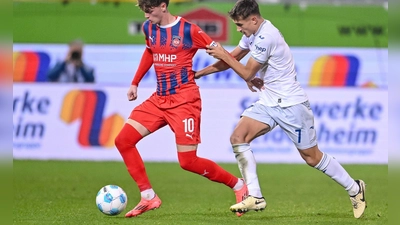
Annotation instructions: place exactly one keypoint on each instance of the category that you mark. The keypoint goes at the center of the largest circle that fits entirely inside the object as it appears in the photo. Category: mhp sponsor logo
(226, 78)
(29, 118)
(30, 66)
(345, 127)
(335, 70)
(88, 106)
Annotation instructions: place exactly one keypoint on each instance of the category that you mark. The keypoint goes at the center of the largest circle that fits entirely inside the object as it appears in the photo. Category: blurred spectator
(73, 69)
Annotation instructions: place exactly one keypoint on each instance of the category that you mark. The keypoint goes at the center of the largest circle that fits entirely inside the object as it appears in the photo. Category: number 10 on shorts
(189, 125)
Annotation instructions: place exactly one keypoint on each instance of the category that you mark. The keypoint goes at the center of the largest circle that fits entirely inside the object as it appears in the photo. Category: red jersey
(173, 47)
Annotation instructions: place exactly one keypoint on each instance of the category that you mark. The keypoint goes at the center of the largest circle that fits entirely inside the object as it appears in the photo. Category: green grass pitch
(63, 192)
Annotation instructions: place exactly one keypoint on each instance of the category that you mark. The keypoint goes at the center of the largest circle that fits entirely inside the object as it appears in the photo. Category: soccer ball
(111, 200)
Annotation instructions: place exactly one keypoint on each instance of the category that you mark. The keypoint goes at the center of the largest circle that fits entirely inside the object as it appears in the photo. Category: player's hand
(216, 50)
(132, 93)
(197, 75)
(257, 82)
(251, 86)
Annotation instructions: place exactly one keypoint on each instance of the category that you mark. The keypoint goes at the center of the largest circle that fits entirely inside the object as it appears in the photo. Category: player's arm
(246, 72)
(201, 40)
(145, 64)
(147, 58)
(264, 50)
(237, 53)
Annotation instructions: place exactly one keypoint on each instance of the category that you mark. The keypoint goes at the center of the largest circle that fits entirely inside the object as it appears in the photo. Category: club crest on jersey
(176, 41)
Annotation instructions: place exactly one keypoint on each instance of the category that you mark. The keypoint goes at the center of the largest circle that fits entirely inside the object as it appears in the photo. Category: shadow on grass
(250, 216)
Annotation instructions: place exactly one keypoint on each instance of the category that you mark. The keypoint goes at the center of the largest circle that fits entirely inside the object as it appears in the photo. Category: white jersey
(268, 47)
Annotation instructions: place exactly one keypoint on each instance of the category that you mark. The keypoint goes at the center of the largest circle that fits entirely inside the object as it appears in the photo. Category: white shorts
(297, 121)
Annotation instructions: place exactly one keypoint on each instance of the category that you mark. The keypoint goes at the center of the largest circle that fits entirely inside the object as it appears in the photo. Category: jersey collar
(259, 29)
(172, 24)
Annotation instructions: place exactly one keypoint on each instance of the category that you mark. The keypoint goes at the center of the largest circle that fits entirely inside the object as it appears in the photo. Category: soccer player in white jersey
(282, 101)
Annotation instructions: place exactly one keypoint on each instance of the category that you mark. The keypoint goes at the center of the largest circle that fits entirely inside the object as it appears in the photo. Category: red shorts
(181, 111)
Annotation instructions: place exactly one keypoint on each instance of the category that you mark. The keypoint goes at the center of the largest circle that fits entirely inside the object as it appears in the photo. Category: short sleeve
(146, 31)
(199, 37)
(263, 48)
(244, 43)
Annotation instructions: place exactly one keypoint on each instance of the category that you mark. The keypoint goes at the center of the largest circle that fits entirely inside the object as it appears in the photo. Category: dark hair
(145, 5)
(243, 9)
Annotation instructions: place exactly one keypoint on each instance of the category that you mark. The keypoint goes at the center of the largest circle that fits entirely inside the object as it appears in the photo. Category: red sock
(207, 168)
(126, 142)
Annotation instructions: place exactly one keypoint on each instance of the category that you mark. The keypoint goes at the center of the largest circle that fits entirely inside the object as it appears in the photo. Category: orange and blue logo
(88, 106)
(30, 66)
(335, 70)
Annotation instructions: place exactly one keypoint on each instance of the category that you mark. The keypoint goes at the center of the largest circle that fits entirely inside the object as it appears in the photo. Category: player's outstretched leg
(241, 195)
(358, 201)
(209, 169)
(330, 167)
(144, 206)
(250, 203)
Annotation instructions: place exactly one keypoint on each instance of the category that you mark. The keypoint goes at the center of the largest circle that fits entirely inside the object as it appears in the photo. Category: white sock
(238, 185)
(334, 170)
(248, 168)
(354, 189)
(148, 194)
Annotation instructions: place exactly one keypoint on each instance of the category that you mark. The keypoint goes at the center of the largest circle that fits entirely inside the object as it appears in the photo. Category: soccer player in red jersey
(171, 43)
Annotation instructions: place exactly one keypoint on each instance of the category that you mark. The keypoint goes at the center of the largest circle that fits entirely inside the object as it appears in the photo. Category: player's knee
(120, 141)
(186, 165)
(127, 138)
(312, 155)
(235, 139)
(311, 161)
(187, 160)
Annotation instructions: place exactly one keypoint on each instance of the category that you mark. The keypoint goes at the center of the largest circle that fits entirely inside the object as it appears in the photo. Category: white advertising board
(116, 64)
(79, 122)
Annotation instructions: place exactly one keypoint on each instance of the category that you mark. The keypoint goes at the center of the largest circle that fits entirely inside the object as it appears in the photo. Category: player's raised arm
(246, 72)
(201, 41)
(237, 53)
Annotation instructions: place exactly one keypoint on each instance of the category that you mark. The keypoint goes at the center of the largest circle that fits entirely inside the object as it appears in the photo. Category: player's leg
(332, 168)
(143, 120)
(300, 128)
(189, 161)
(185, 122)
(245, 131)
(255, 122)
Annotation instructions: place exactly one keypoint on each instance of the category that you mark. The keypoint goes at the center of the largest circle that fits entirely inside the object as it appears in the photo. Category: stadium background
(341, 54)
